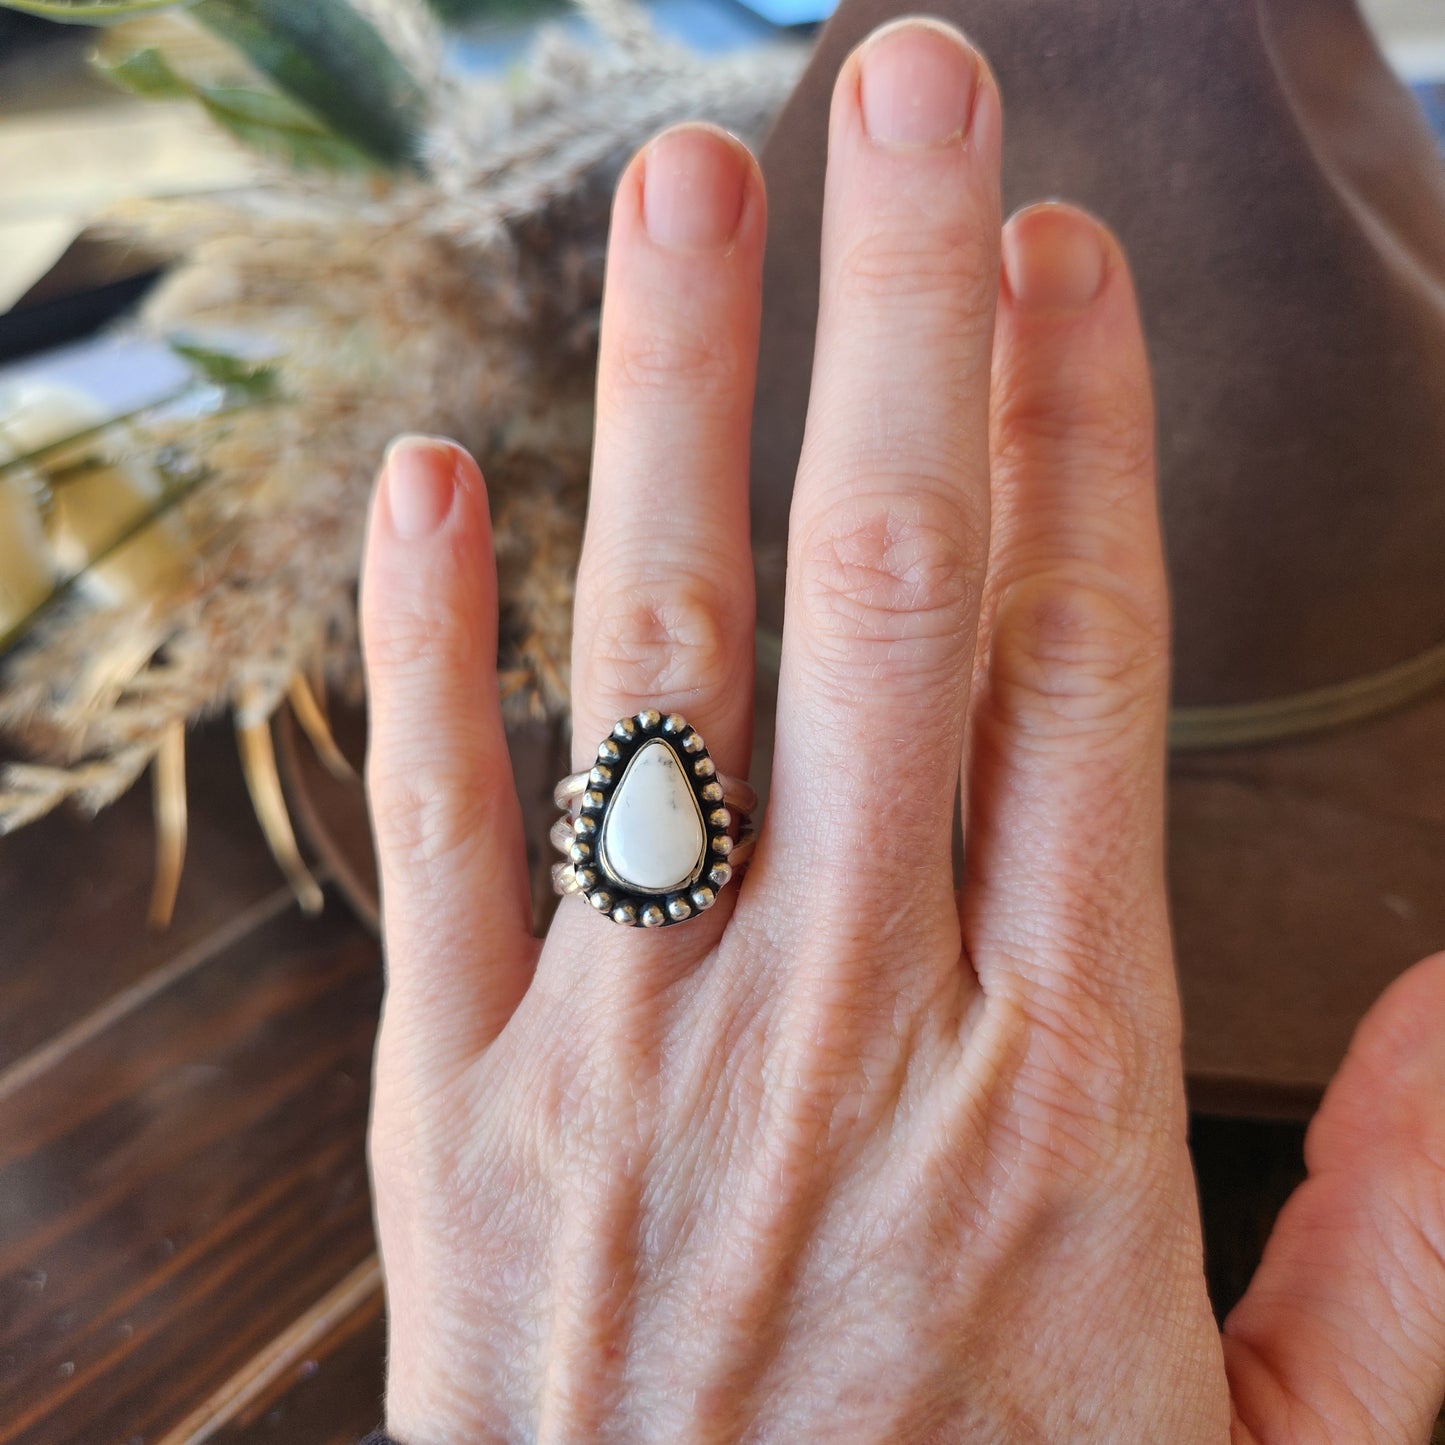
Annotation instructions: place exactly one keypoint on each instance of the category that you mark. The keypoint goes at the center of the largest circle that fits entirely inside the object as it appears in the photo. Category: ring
(652, 839)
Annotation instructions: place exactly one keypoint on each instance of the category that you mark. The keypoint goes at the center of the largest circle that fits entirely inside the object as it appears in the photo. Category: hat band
(1235, 725)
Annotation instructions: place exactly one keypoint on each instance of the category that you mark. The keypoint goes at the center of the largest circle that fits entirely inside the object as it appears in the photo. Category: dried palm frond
(461, 299)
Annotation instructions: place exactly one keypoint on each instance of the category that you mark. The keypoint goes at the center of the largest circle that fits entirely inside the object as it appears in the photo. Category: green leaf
(91, 12)
(265, 120)
(147, 73)
(343, 100)
(476, 12)
(249, 380)
(330, 60)
(278, 126)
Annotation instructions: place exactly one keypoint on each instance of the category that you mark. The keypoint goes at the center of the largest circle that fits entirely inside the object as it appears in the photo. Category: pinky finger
(455, 902)
(1066, 785)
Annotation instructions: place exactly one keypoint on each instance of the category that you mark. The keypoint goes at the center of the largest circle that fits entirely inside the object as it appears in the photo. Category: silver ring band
(652, 832)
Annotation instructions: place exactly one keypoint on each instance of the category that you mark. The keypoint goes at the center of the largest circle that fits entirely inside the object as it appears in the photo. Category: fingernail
(693, 184)
(918, 84)
(1053, 258)
(421, 480)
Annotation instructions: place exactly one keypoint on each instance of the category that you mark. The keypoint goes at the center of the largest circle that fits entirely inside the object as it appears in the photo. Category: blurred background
(83, 127)
(70, 140)
(244, 242)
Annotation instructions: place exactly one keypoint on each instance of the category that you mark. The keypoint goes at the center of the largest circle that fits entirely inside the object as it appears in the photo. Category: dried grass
(464, 304)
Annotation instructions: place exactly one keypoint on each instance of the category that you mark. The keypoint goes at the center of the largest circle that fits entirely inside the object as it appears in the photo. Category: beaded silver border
(624, 904)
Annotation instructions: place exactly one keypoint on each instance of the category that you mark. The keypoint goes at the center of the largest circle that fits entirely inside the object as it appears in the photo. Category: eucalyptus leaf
(276, 125)
(265, 120)
(261, 107)
(91, 12)
(330, 60)
(147, 73)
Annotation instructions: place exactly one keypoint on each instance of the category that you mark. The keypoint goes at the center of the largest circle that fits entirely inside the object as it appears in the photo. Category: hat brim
(1304, 877)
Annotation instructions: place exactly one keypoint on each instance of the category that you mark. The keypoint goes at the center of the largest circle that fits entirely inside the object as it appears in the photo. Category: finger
(1341, 1335)
(455, 902)
(1064, 865)
(888, 535)
(664, 614)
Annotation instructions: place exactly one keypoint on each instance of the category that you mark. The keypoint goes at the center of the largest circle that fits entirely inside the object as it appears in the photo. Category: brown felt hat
(1283, 206)
(1282, 202)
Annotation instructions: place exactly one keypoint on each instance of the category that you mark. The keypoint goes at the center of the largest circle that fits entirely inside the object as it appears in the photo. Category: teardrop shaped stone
(653, 837)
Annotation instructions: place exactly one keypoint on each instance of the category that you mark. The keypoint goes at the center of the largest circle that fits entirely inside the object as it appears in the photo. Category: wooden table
(186, 1250)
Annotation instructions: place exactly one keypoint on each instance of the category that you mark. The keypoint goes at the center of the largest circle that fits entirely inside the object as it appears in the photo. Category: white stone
(653, 837)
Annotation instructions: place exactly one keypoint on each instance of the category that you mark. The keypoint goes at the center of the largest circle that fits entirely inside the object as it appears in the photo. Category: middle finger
(889, 528)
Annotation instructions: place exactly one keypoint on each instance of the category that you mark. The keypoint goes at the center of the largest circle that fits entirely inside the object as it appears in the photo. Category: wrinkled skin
(857, 1155)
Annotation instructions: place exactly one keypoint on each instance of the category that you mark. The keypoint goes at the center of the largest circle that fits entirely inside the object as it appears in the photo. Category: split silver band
(651, 832)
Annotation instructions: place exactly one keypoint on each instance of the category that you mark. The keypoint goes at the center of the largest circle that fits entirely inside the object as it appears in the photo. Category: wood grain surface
(182, 1126)
(73, 898)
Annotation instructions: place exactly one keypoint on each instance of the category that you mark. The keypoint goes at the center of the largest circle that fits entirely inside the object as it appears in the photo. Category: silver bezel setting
(623, 903)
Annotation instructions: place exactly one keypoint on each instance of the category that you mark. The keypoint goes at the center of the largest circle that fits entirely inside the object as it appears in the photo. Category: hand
(854, 1156)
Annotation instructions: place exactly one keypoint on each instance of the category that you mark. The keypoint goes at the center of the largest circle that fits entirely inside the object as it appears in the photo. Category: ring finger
(664, 610)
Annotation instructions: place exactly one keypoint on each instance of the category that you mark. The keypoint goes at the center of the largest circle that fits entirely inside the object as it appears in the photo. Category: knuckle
(670, 358)
(1099, 417)
(899, 574)
(681, 639)
(413, 640)
(1089, 1081)
(398, 1151)
(1077, 651)
(428, 797)
(949, 268)
(426, 814)
(574, 1094)
(411, 1148)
